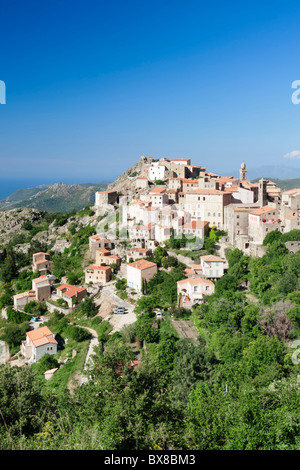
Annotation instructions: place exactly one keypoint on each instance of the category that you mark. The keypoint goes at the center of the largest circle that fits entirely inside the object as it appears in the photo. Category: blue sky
(91, 86)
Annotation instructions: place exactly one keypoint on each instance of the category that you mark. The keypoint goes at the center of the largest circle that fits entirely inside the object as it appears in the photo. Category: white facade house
(192, 290)
(39, 342)
(159, 197)
(157, 171)
(212, 266)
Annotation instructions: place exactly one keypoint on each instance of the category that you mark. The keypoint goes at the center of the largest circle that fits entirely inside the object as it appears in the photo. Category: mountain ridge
(57, 197)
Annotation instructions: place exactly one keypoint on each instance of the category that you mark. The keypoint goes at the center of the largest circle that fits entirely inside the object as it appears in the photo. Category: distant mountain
(58, 197)
(283, 184)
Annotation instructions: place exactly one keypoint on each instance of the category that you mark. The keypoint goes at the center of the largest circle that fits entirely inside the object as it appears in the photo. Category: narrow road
(4, 352)
(185, 329)
(93, 343)
(108, 301)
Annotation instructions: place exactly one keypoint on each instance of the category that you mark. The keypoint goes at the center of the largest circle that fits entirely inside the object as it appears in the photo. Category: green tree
(21, 402)
(89, 307)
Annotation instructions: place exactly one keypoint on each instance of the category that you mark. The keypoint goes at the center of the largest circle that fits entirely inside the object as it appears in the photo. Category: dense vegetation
(236, 387)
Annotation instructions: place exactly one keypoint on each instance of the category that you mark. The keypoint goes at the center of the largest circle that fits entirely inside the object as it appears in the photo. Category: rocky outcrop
(125, 183)
(11, 221)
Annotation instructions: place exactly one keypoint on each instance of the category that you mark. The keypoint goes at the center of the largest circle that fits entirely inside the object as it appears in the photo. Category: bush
(15, 334)
(76, 333)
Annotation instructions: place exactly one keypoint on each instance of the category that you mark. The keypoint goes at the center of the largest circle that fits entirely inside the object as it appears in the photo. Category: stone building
(138, 272)
(41, 263)
(105, 197)
(97, 274)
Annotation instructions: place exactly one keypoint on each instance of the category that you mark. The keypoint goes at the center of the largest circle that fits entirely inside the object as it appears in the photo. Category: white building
(192, 290)
(212, 266)
(139, 271)
(159, 197)
(39, 342)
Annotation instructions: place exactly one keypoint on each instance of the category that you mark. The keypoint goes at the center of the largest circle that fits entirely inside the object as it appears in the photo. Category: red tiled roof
(212, 258)
(142, 264)
(157, 190)
(194, 224)
(262, 210)
(71, 291)
(100, 268)
(195, 280)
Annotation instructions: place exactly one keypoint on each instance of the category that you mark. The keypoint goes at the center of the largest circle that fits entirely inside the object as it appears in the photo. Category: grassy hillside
(59, 197)
(284, 184)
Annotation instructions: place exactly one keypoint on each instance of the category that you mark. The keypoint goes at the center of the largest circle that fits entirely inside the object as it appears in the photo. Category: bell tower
(243, 172)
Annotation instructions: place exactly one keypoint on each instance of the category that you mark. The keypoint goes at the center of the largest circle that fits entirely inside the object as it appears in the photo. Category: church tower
(243, 172)
(262, 192)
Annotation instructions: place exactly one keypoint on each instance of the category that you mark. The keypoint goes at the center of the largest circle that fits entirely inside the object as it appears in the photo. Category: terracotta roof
(142, 264)
(194, 224)
(105, 192)
(223, 179)
(195, 280)
(45, 340)
(212, 258)
(157, 190)
(100, 268)
(42, 261)
(231, 189)
(248, 183)
(39, 333)
(262, 210)
(40, 279)
(71, 290)
(246, 209)
(137, 201)
(189, 271)
(103, 250)
(99, 238)
(29, 293)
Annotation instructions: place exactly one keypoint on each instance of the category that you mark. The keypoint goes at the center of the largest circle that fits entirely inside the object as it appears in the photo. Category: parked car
(34, 318)
(119, 310)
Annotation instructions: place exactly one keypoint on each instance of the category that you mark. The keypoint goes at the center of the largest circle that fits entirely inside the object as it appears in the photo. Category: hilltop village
(166, 204)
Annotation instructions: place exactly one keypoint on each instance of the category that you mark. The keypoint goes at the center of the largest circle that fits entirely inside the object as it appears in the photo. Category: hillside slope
(59, 197)
(283, 184)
